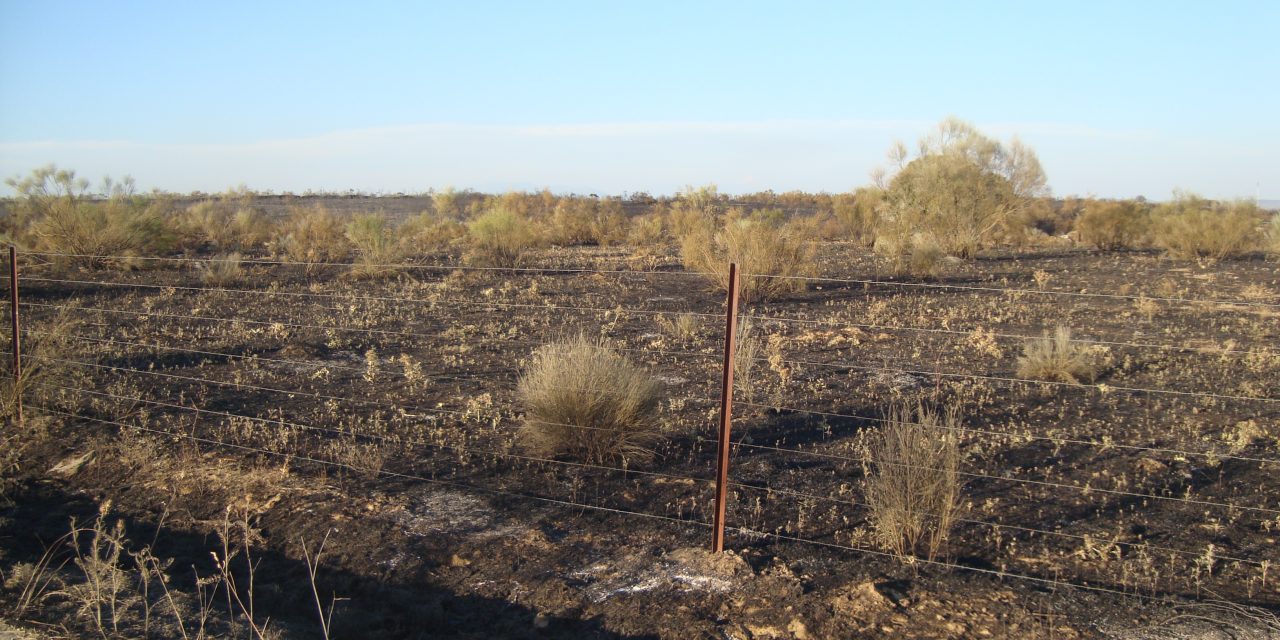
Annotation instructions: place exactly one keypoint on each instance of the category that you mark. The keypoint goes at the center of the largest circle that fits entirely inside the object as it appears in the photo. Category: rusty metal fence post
(726, 410)
(17, 336)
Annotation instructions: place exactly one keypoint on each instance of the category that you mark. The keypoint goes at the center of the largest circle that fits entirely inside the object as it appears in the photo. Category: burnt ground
(387, 419)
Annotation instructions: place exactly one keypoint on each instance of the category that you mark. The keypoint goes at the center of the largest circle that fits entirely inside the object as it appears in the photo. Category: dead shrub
(913, 480)
(1055, 358)
(499, 238)
(1112, 225)
(584, 400)
(774, 255)
(1273, 236)
(1196, 229)
(430, 232)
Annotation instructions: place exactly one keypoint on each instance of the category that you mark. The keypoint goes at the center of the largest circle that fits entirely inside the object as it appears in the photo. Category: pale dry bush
(312, 235)
(1112, 225)
(586, 221)
(1197, 229)
(777, 256)
(222, 271)
(584, 400)
(430, 232)
(923, 257)
(379, 250)
(1273, 236)
(499, 238)
(1056, 358)
(228, 223)
(857, 212)
(120, 226)
(913, 480)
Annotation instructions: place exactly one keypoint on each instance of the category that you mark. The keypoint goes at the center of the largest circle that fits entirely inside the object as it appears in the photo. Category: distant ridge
(1269, 204)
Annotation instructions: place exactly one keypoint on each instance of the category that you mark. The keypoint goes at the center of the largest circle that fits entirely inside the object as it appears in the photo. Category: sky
(1117, 98)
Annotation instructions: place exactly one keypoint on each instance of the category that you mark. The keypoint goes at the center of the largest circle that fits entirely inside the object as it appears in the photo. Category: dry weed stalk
(913, 480)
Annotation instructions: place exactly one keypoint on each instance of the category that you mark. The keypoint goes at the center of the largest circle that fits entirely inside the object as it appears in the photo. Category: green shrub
(378, 250)
(499, 238)
(913, 480)
(964, 192)
(1197, 229)
(584, 400)
(1111, 225)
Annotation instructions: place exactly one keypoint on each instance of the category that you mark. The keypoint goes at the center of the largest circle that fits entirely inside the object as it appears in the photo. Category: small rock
(541, 621)
(798, 630)
(71, 466)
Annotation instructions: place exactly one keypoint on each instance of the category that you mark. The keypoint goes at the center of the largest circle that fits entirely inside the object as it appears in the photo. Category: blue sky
(1118, 99)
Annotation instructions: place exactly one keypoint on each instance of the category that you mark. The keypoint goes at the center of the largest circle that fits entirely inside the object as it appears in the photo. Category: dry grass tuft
(313, 235)
(222, 271)
(499, 238)
(1055, 358)
(378, 251)
(584, 400)
(913, 480)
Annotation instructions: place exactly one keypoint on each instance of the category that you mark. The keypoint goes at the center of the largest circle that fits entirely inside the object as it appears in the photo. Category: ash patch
(433, 512)
(683, 570)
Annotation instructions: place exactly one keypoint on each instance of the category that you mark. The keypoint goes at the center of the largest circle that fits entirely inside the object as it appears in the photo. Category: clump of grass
(378, 251)
(499, 238)
(913, 480)
(922, 258)
(1055, 358)
(312, 235)
(584, 400)
(772, 253)
(222, 271)
(228, 223)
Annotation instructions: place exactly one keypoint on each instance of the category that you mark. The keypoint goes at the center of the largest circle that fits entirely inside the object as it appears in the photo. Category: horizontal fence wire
(406, 266)
(835, 365)
(1101, 387)
(1100, 538)
(1086, 490)
(744, 531)
(397, 407)
(296, 325)
(682, 272)
(1017, 436)
(1002, 336)
(351, 298)
(1018, 291)
(340, 432)
(318, 365)
(384, 472)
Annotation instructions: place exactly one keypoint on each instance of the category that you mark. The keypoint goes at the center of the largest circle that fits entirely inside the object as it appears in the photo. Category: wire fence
(155, 353)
